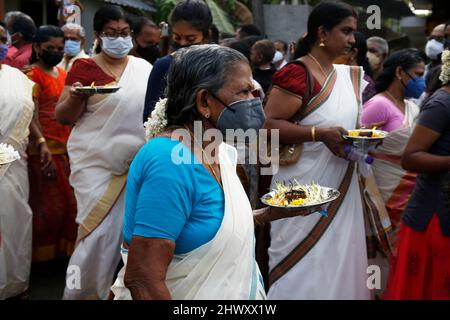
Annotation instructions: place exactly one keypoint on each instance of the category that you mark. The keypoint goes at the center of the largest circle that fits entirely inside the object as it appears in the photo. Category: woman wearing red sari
(51, 196)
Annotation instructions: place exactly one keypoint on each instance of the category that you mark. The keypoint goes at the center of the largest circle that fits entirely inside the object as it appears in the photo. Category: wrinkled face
(72, 34)
(238, 86)
(340, 39)
(53, 44)
(375, 48)
(185, 34)
(149, 36)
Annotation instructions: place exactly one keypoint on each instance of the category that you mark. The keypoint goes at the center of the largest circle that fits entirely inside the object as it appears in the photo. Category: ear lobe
(321, 33)
(398, 72)
(201, 101)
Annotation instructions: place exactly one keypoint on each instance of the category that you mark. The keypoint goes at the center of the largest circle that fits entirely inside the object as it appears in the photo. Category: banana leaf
(220, 17)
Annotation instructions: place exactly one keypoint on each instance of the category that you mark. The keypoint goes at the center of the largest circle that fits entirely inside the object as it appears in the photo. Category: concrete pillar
(258, 14)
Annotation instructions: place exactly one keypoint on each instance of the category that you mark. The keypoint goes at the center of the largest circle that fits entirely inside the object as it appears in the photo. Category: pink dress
(379, 109)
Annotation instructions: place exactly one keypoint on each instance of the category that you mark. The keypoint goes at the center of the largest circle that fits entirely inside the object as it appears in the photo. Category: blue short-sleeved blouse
(167, 199)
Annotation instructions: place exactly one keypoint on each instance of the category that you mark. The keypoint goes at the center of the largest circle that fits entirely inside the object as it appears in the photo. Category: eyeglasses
(115, 35)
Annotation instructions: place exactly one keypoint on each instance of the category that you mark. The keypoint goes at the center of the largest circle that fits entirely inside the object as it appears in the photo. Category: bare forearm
(424, 162)
(149, 291)
(35, 130)
(289, 132)
(70, 110)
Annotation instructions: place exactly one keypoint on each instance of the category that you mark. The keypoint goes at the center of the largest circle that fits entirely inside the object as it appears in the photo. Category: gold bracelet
(313, 133)
(40, 140)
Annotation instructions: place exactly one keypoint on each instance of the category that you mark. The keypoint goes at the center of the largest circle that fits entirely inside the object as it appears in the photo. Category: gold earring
(322, 43)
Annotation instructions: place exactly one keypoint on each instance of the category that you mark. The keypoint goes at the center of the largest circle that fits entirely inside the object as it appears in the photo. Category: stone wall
(285, 22)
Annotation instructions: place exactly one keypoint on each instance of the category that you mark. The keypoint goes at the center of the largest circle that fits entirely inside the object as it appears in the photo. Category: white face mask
(433, 48)
(117, 47)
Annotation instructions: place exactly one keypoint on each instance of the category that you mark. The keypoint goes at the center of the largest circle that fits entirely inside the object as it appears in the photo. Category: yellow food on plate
(295, 195)
(365, 133)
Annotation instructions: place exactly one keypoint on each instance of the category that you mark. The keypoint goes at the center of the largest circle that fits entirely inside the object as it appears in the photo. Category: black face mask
(176, 45)
(51, 58)
(149, 53)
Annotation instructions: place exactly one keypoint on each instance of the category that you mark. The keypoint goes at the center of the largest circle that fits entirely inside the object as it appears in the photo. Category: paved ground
(47, 280)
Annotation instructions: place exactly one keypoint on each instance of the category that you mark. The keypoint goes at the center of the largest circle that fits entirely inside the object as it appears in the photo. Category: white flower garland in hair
(445, 68)
(8, 154)
(157, 121)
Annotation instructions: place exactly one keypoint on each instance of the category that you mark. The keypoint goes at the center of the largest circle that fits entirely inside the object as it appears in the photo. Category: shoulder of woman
(162, 150)
(163, 62)
(291, 77)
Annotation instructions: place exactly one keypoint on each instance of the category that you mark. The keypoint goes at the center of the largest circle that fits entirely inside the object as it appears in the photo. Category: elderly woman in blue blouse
(188, 229)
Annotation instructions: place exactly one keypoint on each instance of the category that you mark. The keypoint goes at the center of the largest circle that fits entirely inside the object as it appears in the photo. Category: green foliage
(220, 16)
(163, 8)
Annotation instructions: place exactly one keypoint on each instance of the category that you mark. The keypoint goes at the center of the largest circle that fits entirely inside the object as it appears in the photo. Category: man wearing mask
(146, 38)
(21, 29)
(433, 50)
(74, 36)
(377, 52)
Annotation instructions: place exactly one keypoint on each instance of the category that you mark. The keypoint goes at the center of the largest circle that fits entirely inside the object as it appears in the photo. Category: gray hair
(74, 26)
(193, 69)
(383, 44)
(12, 15)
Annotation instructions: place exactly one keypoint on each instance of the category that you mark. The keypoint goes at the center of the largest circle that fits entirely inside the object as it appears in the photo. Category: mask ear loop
(223, 103)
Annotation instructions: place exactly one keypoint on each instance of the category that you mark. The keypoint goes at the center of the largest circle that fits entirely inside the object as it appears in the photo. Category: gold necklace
(211, 168)
(394, 99)
(318, 64)
(105, 63)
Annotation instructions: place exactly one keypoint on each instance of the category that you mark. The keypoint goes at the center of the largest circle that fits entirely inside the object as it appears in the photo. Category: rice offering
(297, 194)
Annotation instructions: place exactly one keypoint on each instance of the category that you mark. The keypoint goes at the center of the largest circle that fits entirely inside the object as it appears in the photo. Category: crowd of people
(146, 207)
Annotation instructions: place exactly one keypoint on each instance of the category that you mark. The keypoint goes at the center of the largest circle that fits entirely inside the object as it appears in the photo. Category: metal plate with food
(7, 154)
(98, 89)
(300, 196)
(366, 134)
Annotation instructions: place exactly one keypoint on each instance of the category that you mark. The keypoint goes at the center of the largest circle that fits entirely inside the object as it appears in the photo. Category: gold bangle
(313, 133)
(40, 140)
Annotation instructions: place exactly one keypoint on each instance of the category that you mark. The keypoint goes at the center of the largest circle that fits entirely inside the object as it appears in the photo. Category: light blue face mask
(117, 47)
(72, 47)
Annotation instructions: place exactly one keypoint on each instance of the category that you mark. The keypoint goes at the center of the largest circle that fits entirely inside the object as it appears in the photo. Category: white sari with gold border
(16, 112)
(101, 146)
(224, 268)
(335, 267)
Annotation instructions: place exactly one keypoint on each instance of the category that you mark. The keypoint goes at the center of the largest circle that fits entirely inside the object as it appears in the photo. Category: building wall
(285, 22)
(87, 20)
